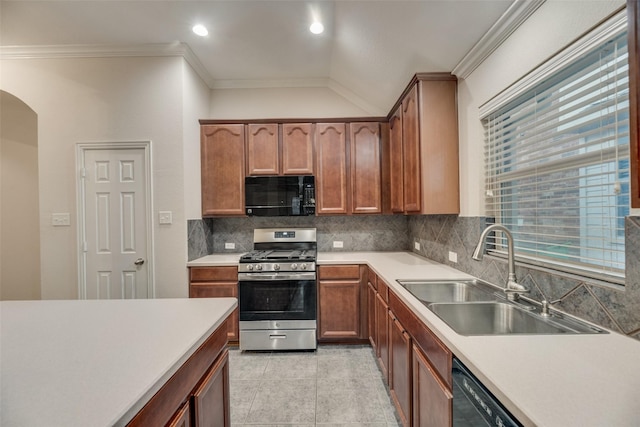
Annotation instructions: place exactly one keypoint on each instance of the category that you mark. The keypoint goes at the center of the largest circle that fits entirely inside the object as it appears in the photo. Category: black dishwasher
(473, 404)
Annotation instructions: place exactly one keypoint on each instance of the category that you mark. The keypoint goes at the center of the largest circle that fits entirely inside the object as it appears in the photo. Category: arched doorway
(19, 206)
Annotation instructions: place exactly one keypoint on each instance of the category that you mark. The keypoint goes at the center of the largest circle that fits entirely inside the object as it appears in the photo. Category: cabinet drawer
(206, 274)
(213, 290)
(339, 272)
(372, 278)
(383, 290)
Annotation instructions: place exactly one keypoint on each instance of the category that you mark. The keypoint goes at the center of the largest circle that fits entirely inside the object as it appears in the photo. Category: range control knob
(250, 267)
(303, 266)
(294, 266)
(258, 266)
(276, 267)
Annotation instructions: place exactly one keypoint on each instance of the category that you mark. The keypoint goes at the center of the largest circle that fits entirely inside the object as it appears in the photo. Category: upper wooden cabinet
(348, 170)
(365, 171)
(274, 149)
(222, 169)
(424, 147)
(263, 155)
(331, 168)
(297, 149)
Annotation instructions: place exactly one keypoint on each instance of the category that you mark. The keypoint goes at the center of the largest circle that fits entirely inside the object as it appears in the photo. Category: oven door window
(277, 300)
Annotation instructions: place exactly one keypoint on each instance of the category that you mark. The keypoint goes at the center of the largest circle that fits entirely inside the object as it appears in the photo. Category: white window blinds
(557, 164)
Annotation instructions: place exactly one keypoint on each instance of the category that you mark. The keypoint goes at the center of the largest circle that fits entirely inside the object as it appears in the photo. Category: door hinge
(83, 173)
(84, 247)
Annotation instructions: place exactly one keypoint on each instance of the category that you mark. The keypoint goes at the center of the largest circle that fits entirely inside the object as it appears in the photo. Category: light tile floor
(333, 386)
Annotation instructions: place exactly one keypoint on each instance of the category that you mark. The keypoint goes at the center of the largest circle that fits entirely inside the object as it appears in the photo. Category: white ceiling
(370, 49)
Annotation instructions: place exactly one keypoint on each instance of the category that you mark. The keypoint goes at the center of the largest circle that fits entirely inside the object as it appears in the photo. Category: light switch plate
(416, 246)
(338, 244)
(453, 256)
(165, 217)
(60, 219)
(229, 245)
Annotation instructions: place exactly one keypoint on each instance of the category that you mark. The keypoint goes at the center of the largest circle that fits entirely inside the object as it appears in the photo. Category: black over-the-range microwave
(280, 195)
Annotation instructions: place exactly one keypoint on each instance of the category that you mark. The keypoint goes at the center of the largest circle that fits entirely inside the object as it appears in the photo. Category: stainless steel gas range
(278, 297)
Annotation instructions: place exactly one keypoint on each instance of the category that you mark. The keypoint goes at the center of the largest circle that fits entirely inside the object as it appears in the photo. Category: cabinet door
(382, 335)
(262, 149)
(339, 309)
(219, 290)
(211, 398)
(396, 175)
(400, 373)
(411, 152)
(432, 399)
(297, 149)
(366, 190)
(331, 170)
(222, 157)
(371, 310)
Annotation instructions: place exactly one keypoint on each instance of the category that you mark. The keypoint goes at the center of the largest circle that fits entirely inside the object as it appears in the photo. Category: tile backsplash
(616, 308)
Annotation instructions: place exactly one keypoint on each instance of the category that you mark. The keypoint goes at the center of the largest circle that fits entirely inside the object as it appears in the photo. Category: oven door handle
(270, 277)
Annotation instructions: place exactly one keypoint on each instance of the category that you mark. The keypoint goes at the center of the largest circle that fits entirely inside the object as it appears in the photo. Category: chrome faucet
(513, 288)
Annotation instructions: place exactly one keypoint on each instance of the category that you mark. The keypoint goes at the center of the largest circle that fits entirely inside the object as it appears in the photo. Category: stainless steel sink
(501, 318)
(447, 291)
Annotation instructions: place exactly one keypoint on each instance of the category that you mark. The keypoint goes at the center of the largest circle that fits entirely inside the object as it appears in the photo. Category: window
(557, 162)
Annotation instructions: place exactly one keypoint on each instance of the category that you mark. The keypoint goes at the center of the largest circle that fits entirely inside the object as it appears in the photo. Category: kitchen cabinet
(400, 379)
(331, 168)
(633, 31)
(297, 149)
(222, 151)
(424, 147)
(365, 172)
(432, 398)
(382, 328)
(371, 308)
(201, 383)
(215, 282)
(263, 155)
(342, 303)
(279, 149)
(211, 398)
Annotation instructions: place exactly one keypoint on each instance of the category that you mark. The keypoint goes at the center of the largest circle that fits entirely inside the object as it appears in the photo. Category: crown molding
(510, 20)
(107, 51)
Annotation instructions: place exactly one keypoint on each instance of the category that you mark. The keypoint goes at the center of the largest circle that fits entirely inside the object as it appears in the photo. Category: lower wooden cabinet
(217, 282)
(197, 395)
(342, 307)
(382, 330)
(432, 398)
(211, 398)
(400, 369)
(371, 314)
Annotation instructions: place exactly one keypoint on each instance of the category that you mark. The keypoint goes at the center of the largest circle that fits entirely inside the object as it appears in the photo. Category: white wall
(551, 28)
(19, 223)
(265, 103)
(104, 99)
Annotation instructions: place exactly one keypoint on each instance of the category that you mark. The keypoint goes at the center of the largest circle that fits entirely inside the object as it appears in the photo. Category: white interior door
(114, 221)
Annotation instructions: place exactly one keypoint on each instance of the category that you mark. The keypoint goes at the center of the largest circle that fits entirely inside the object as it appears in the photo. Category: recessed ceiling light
(200, 30)
(316, 28)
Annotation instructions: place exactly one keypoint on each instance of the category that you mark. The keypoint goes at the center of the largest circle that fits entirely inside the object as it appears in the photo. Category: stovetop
(305, 255)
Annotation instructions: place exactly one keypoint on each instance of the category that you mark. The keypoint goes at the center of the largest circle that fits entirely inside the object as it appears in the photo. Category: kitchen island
(98, 363)
(544, 380)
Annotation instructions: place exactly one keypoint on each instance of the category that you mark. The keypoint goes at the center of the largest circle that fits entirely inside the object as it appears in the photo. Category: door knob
(139, 261)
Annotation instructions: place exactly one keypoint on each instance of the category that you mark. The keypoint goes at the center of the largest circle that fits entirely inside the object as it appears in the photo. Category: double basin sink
(473, 307)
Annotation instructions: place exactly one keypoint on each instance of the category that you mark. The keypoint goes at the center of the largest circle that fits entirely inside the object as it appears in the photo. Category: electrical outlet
(338, 244)
(229, 245)
(453, 256)
(165, 217)
(416, 246)
(60, 219)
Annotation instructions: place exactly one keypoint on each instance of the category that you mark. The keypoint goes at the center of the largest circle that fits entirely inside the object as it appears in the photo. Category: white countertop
(95, 363)
(216, 260)
(544, 380)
